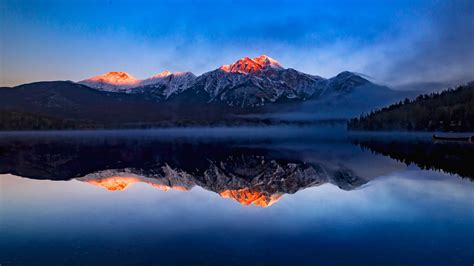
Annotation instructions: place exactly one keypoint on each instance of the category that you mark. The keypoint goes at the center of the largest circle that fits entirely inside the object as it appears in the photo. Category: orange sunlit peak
(115, 77)
(247, 65)
(247, 196)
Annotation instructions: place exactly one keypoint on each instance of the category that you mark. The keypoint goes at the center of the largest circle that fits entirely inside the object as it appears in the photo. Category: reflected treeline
(454, 157)
(256, 174)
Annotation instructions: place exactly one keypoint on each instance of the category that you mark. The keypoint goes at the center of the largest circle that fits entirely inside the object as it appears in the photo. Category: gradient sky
(393, 42)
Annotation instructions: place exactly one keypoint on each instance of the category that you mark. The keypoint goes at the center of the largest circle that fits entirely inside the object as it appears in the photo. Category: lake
(235, 196)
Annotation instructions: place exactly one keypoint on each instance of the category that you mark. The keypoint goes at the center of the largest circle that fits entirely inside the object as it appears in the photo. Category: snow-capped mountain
(247, 65)
(253, 82)
(164, 84)
(248, 82)
(114, 81)
(156, 78)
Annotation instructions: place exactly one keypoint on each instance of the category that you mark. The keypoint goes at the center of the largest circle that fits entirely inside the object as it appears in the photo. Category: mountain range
(246, 83)
(229, 94)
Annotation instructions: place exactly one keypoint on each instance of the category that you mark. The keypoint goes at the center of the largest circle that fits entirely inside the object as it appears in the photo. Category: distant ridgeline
(450, 110)
(258, 91)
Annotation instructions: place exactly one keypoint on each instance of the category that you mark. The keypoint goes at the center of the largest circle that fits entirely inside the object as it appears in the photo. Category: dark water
(246, 196)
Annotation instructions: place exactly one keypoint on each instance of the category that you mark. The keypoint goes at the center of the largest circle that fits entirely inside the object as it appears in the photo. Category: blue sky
(394, 42)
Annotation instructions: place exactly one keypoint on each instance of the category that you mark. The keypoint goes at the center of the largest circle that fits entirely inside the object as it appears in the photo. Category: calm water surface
(267, 196)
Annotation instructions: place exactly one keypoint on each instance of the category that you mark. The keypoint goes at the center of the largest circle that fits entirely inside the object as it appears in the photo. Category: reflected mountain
(248, 179)
(454, 157)
(120, 183)
(258, 174)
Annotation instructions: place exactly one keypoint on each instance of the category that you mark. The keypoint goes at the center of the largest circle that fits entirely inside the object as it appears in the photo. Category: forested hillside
(450, 110)
(12, 120)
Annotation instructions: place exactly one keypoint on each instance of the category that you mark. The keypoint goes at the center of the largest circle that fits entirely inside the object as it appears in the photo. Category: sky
(402, 44)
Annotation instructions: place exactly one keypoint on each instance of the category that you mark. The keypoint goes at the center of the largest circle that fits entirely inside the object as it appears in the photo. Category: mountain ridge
(181, 98)
(248, 82)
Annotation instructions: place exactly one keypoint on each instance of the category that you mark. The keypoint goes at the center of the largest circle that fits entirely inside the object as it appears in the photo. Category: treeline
(13, 120)
(450, 110)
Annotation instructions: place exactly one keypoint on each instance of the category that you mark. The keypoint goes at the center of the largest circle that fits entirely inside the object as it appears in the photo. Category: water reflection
(250, 174)
(453, 157)
(250, 171)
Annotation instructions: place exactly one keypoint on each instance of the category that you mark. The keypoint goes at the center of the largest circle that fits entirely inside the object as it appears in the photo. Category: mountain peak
(351, 76)
(115, 77)
(183, 73)
(163, 74)
(123, 82)
(247, 65)
(346, 74)
(267, 61)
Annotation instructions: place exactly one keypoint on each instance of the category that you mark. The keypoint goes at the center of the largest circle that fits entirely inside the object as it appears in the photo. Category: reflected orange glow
(245, 196)
(248, 196)
(166, 188)
(114, 183)
(120, 183)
